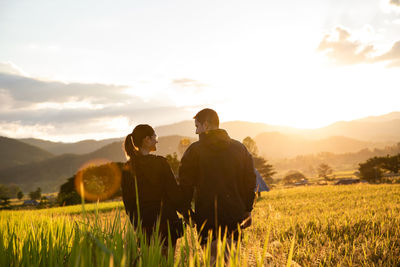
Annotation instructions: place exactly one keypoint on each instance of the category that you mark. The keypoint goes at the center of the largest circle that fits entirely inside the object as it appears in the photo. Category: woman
(158, 193)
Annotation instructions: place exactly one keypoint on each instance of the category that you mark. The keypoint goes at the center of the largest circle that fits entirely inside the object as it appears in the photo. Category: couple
(216, 170)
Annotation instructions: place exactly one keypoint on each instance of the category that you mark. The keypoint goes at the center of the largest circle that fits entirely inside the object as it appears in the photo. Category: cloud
(11, 68)
(73, 125)
(392, 54)
(30, 107)
(188, 92)
(185, 82)
(136, 112)
(342, 48)
(394, 64)
(31, 90)
(188, 84)
(395, 2)
(339, 47)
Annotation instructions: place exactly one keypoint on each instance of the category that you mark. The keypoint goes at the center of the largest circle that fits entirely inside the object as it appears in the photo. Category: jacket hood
(215, 139)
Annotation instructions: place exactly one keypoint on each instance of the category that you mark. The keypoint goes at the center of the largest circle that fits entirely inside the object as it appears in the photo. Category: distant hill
(385, 128)
(382, 118)
(37, 167)
(50, 173)
(277, 145)
(241, 129)
(169, 144)
(59, 148)
(374, 131)
(279, 142)
(15, 153)
(183, 128)
(236, 129)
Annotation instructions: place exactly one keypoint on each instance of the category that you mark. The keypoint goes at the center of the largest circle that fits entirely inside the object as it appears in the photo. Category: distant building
(301, 182)
(349, 181)
(31, 202)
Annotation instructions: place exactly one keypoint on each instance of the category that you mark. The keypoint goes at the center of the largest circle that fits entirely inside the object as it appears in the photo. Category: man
(220, 171)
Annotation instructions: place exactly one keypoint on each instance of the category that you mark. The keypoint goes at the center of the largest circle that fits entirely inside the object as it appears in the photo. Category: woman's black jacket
(158, 192)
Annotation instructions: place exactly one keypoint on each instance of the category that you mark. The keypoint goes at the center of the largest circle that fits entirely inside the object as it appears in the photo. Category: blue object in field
(261, 186)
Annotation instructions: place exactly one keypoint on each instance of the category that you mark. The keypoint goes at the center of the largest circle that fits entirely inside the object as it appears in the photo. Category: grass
(311, 226)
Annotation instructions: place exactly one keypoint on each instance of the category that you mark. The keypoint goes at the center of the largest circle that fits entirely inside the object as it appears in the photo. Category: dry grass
(331, 225)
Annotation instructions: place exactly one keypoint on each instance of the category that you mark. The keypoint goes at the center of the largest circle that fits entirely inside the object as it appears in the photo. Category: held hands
(247, 221)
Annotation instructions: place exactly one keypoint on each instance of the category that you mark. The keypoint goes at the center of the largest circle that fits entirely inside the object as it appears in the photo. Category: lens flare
(98, 179)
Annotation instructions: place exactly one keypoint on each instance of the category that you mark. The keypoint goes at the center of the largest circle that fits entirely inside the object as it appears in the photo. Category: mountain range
(15, 153)
(59, 148)
(384, 128)
(52, 171)
(275, 145)
(30, 162)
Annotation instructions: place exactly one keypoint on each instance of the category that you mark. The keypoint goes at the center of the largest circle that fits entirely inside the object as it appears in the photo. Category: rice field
(344, 174)
(355, 225)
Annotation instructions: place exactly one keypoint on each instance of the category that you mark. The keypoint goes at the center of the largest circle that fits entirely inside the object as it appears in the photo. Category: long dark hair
(134, 140)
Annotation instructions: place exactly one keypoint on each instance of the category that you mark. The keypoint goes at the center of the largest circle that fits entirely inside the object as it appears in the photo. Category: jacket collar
(218, 138)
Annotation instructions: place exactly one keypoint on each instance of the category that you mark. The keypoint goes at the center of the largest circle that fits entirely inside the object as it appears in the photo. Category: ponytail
(130, 150)
(130, 153)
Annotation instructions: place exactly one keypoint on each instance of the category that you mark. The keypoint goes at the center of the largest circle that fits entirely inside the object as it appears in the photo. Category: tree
(184, 143)
(20, 195)
(68, 194)
(44, 200)
(9, 191)
(292, 177)
(372, 170)
(324, 170)
(251, 145)
(310, 170)
(266, 170)
(35, 195)
(392, 163)
(5, 194)
(173, 162)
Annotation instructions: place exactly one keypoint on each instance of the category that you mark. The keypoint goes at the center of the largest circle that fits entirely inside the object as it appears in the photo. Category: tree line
(8, 192)
(347, 161)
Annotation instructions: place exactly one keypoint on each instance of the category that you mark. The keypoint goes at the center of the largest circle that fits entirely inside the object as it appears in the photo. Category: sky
(73, 70)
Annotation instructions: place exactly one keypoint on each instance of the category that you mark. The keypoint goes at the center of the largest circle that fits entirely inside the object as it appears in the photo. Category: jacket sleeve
(128, 192)
(249, 181)
(188, 176)
(173, 192)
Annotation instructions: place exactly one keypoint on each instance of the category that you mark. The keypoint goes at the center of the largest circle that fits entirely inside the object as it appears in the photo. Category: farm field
(344, 174)
(354, 225)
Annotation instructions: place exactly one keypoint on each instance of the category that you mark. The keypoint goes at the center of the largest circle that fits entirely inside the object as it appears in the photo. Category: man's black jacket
(220, 171)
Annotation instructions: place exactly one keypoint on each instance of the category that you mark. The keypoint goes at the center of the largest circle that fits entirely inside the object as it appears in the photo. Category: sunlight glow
(160, 64)
(98, 179)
